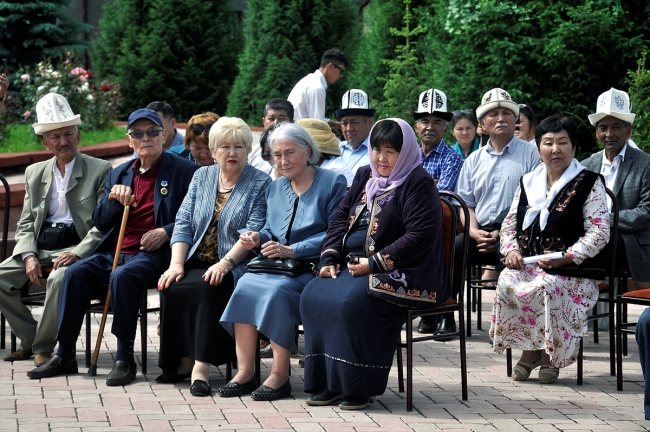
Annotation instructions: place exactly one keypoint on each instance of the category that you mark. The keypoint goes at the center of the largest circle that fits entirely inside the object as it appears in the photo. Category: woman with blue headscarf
(387, 233)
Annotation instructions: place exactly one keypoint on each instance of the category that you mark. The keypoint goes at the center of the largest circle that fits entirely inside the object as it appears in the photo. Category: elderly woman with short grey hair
(300, 206)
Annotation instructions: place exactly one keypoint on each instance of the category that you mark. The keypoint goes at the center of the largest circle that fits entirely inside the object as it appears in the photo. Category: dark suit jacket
(632, 190)
(175, 171)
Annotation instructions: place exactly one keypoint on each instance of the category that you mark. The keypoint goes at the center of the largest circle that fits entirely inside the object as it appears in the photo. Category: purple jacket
(404, 238)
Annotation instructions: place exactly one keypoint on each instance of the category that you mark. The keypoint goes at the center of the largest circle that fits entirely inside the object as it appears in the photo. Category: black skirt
(189, 319)
(350, 337)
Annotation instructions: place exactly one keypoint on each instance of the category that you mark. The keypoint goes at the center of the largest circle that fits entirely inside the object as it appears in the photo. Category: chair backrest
(613, 238)
(5, 223)
(450, 201)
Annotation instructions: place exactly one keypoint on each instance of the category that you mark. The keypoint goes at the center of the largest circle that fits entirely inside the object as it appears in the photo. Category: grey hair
(44, 134)
(293, 132)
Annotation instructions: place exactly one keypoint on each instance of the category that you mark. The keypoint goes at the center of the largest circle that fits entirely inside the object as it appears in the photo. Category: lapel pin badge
(163, 189)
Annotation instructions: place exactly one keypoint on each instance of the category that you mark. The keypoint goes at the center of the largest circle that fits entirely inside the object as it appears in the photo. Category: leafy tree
(181, 51)
(639, 91)
(377, 45)
(33, 30)
(284, 41)
(402, 86)
(555, 56)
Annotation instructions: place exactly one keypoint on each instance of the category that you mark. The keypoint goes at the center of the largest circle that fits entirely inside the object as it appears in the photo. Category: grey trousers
(39, 336)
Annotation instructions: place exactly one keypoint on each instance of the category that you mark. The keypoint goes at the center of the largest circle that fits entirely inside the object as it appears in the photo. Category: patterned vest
(564, 227)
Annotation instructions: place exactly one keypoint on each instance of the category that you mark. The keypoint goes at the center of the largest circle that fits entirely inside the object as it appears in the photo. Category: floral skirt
(534, 310)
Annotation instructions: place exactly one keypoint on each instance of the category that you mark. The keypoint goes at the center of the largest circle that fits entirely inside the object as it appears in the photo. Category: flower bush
(98, 103)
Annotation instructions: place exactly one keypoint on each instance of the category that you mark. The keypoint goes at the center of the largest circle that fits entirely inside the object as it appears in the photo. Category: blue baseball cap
(144, 113)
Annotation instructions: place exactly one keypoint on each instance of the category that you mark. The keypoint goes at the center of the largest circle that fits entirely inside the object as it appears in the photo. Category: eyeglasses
(199, 128)
(339, 68)
(151, 133)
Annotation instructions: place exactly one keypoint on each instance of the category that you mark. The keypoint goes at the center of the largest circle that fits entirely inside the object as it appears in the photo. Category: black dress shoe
(200, 388)
(428, 324)
(122, 374)
(324, 398)
(55, 366)
(233, 389)
(446, 326)
(356, 402)
(172, 377)
(266, 393)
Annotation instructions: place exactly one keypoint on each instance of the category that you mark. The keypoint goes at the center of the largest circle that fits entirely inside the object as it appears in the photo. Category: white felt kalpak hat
(615, 103)
(355, 102)
(496, 98)
(432, 102)
(54, 112)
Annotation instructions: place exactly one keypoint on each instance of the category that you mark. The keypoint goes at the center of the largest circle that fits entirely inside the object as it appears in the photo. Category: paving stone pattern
(496, 403)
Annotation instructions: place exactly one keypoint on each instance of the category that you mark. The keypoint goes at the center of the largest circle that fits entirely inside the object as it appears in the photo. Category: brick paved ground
(82, 403)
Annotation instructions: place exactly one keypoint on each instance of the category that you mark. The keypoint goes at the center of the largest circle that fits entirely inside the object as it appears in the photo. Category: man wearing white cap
(489, 179)
(55, 227)
(627, 174)
(356, 118)
(431, 120)
(159, 182)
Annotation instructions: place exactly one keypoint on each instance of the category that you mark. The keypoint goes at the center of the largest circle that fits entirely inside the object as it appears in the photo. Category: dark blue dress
(350, 337)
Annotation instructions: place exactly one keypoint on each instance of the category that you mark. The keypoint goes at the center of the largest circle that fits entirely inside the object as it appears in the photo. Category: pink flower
(557, 290)
(597, 220)
(494, 318)
(55, 75)
(83, 78)
(577, 299)
(24, 77)
(532, 321)
(566, 335)
(526, 308)
(27, 113)
(522, 320)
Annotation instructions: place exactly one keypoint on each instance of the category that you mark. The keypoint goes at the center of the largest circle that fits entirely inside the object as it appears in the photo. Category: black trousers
(83, 280)
(473, 257)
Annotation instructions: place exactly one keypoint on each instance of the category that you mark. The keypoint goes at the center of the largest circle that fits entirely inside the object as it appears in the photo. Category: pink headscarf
(409, 158)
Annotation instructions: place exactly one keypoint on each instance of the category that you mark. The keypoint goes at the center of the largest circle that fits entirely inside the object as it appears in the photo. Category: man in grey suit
(55, 228)
(627, 174)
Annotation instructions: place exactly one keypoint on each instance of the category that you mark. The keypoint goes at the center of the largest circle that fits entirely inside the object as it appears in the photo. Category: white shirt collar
(68, 169)
(321, 77)
(620, 157)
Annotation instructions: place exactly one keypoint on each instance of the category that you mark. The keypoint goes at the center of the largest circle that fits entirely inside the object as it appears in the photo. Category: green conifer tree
(284, 41)
(181, 51)
(32, 30)
(403, 84)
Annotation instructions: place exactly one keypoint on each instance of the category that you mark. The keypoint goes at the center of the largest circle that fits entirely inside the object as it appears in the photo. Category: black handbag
(55, 236)
(280, 266)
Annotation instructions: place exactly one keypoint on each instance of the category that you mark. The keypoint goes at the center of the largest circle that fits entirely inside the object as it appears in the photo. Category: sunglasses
(339, 68)
(199, 128)
(267, 156)
(151, 133)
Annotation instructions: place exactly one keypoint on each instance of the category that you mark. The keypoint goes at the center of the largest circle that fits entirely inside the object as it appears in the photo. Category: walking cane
(92, 370)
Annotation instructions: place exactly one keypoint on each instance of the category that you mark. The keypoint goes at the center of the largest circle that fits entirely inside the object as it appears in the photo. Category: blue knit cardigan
(244, 211)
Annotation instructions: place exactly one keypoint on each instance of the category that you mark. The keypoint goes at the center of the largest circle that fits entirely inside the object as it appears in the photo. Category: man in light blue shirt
(488, 181)
(174, 140)
(356, 121)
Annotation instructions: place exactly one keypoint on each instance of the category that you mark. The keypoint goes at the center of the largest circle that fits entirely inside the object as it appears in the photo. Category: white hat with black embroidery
(615, 103)
(432, 102)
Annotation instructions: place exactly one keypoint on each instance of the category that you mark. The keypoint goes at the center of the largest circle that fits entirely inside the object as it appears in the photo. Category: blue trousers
(643, 340)
(83, 280)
